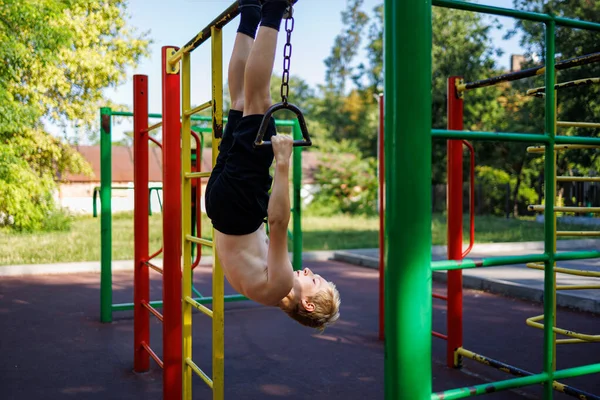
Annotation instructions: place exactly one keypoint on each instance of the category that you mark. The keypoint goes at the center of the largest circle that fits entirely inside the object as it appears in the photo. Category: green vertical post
(297, 206)
(105, 215)
(549, 217)
(407, 139)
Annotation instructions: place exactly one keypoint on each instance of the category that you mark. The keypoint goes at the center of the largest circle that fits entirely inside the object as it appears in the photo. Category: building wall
(78, 197)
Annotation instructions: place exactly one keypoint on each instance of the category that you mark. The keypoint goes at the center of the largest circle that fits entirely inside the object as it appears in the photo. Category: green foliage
(494, 184)
(346, 183)
(58, 220)
(57, 57)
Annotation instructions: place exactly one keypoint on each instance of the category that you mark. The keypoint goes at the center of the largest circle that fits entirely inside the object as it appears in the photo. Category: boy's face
(307, 284)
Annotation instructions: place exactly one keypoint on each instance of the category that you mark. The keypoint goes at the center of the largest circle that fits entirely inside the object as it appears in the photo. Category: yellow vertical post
(186, 207)
(218, 364)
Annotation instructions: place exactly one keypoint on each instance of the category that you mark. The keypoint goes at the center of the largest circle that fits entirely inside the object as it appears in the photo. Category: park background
(63, 61)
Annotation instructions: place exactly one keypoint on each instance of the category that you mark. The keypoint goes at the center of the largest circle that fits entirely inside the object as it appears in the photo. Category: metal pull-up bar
(219, 22)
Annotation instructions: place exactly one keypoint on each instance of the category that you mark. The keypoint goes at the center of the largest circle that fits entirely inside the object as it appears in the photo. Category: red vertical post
(381, 219)
(141, 286)
(172, 341)
(455, 222)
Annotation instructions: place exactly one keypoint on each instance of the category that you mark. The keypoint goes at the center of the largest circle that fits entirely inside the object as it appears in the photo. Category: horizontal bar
(566, 209)
(205, 118)
(219, 22)
(202, 300)
(576, 255)
(593, 125)
(204, 242)
(493, 136)
(153, 355)
(154, 267)
(530, 72)
(468, 263)
(585, 140)
(577, 287)
(567, 271)
(155, 254)
(152, 127)
(439, 335)
(199, 372)
(196, 110)
(577, 233)
(439, 296)
(484, 388)
(574, 23)
(560, 147)
(564, 85)
(534, 324)
(480, 8)
(578, 178)
(199, 306)
(153, 311)
(520, 372)
(159, 144)
(577, 371)
(196, 175)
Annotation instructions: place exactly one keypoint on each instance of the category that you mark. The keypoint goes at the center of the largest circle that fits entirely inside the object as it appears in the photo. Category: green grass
(82, 243)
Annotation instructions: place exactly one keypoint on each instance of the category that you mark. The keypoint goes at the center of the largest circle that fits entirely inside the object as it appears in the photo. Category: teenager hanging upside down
(237, 194)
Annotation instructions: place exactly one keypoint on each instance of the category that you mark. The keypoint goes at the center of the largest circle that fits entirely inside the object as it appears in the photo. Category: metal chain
(287, 54)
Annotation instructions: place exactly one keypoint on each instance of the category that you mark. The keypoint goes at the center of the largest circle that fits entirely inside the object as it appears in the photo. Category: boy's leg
(250, 13)
(259, 68)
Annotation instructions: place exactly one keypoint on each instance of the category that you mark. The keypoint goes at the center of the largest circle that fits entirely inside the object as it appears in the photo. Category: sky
(175, 22)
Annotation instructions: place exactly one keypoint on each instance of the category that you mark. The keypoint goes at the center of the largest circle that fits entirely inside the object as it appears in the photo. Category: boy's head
(313, 301)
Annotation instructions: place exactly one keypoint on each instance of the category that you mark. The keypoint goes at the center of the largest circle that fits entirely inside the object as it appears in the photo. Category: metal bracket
(459, 93)
(171, 69)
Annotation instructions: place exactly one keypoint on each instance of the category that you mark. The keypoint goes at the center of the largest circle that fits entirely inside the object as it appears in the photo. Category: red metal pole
(381, 220)
(172, 341)
(141, 286)
(455, 222)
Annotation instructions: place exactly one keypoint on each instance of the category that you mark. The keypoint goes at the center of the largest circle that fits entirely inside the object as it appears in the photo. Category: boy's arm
(279, 269)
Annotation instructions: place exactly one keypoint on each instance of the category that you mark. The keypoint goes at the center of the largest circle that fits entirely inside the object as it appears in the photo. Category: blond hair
(326, 312)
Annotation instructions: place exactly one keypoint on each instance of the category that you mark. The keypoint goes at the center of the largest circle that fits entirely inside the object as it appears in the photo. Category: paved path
(54, 347)
(515, 280)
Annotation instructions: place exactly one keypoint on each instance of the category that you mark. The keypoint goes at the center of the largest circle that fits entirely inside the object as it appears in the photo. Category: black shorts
(237, 193)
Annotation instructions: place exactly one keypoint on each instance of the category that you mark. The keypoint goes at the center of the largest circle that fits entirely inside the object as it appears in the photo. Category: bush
(346, 183)
(57, 220)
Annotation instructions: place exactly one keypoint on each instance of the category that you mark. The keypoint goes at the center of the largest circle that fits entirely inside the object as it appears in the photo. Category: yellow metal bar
(563, 85)
(568, 271)
(196, 110)
(186, 218)
(567, 209)
(199, 307)
(153, 127)
(587, 338)
(199, 372)
(218, 284)
(577, 233)
(592, 125)
(578, 178)
(561, 147)
(203, 242)
(195, 175)
(577, 287)
(570, 341)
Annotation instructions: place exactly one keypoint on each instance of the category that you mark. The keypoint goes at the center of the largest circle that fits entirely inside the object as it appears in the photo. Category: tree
(57, 56)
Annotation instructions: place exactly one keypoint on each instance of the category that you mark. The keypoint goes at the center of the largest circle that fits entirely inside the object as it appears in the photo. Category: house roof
(122, 164)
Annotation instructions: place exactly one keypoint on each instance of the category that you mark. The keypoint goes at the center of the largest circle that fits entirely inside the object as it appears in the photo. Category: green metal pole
(105, 215)
(297, 208)
(407, 138)
(549, 217)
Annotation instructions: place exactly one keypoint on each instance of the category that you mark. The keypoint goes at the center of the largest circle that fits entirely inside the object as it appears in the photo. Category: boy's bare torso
(244, 262)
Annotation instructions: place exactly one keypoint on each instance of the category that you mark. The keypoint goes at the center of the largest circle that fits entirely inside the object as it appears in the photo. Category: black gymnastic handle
(305, 142)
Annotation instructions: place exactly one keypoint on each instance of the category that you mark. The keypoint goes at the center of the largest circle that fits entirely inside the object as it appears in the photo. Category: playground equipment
(106, 306)
(408, 133)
